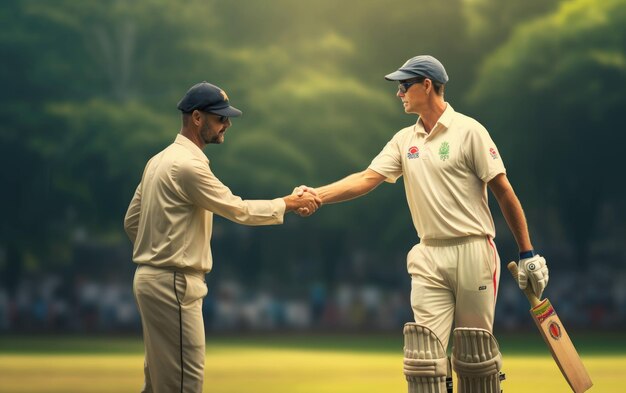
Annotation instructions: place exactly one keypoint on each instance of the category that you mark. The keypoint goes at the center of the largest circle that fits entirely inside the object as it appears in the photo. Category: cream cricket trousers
(454, 280)
(170, 305)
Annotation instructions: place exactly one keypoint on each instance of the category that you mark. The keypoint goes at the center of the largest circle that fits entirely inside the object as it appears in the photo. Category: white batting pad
(477, 361)
(426, 365)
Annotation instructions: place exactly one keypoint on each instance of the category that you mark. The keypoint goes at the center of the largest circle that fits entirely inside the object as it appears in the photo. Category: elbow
(131, 230)
(127, 225)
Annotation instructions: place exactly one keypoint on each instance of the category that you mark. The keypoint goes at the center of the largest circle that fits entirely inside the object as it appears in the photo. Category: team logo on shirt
(414, 152)
(493, 152)
(444, 151)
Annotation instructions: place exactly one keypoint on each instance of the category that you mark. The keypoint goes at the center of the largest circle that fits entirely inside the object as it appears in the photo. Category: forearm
(250, 212)
(515, 218)
(350, 187)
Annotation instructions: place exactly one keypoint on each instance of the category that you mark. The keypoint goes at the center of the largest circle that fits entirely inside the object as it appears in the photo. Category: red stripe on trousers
(495, 264)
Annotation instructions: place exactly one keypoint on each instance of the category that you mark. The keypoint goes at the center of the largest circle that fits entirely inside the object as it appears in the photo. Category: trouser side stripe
(180, 330)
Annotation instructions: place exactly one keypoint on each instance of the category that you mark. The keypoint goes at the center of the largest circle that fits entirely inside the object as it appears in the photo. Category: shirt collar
(192, 147)
(443, 123)
(446, 117)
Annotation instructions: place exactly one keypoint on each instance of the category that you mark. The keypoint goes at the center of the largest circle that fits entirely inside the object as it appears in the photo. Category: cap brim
(400, 76)
(229, 111)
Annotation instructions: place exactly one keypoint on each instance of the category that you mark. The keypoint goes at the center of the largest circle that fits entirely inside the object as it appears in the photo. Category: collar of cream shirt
(189, 145)
(443, 122)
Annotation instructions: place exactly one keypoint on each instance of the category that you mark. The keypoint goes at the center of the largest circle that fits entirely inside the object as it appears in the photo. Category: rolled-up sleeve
(205, 190)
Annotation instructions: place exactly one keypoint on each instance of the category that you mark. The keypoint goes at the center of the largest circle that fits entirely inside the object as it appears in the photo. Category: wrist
(527, 254)
(289, 203)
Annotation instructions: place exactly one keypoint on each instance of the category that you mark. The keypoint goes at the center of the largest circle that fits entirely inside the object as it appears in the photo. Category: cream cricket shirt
(170, 218)
(445, 175)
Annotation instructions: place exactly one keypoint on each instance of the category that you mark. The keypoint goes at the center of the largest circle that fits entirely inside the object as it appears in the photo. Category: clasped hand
(303, 201)
(306, 192)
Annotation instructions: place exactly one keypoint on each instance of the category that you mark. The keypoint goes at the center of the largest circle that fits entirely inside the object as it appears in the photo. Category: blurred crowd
(592, 300)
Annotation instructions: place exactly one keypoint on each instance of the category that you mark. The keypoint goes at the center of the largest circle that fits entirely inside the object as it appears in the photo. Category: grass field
(292, 364)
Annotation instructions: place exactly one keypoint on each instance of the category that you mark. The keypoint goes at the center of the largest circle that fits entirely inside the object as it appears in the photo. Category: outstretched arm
(202, 188)
(350, 187)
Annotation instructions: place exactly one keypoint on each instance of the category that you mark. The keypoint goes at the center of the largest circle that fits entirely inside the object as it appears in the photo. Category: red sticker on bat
(555, 330)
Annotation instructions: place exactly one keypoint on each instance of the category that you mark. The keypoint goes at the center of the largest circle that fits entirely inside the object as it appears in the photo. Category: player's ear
(196, 117)
(428, 85)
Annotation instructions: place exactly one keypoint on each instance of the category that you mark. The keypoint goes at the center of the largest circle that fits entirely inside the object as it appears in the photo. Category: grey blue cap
(206, 97)
(423, 65)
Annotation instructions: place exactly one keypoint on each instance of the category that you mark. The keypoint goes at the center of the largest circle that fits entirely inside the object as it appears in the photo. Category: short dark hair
(439, 88)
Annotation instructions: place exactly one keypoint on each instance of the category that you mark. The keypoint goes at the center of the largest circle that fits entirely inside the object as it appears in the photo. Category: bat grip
(528, 291)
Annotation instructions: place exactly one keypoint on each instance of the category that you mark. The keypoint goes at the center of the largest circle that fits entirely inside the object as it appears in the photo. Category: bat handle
(528, 291)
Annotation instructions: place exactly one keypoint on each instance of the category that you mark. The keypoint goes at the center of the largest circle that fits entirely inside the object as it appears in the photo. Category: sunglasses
(404, 87)
(222, 119)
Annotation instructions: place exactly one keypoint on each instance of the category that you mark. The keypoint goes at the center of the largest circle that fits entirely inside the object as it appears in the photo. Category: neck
(192, 136)
(431, 114)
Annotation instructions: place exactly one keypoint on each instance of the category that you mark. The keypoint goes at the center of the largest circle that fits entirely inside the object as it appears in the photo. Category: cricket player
(169, 221)
(447, 160)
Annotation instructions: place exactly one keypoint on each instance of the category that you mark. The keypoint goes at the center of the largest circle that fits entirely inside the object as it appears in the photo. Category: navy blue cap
(206, 97)
(423, 65)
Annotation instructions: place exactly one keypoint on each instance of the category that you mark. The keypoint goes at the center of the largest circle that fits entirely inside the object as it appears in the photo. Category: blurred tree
(91, 89)
(81, 108)
(305, 122)
(311, 80)
(491, 22)
(28, 221)
(562, 126)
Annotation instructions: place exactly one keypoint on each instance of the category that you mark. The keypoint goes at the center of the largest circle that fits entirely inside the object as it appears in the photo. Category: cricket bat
(556, 338)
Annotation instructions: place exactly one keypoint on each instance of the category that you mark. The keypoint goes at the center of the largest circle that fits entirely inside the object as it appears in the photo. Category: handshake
(304, 201)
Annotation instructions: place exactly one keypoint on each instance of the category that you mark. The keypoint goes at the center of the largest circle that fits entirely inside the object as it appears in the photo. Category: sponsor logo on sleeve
(493, 153)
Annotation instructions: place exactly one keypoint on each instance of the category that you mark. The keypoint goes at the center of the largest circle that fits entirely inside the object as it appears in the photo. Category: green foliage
(490, 23)
(567, 72)
(91, 168)
(90, 90)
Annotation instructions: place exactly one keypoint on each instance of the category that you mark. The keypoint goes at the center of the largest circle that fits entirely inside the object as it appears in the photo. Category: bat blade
(561, 346)
(555, 336)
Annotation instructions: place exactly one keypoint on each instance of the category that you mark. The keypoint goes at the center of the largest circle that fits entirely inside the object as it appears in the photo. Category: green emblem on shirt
(444, 151)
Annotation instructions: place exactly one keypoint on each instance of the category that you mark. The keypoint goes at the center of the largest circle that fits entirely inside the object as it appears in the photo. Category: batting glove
(535, 270)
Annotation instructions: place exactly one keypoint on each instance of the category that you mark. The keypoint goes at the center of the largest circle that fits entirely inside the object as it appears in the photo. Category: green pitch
(278, 365)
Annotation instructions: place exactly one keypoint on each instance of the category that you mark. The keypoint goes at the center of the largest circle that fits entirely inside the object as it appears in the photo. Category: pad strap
(425, 368)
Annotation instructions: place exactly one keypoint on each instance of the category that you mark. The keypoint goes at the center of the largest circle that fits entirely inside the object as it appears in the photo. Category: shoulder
(468, 127)
(191, 164)
(468, 123)
(190, 169)
(404, 133)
